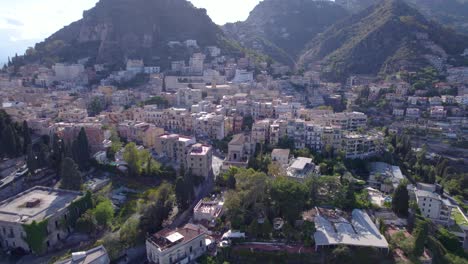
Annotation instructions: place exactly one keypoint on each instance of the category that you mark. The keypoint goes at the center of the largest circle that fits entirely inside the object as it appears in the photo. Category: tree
(115, 146)
(449, 240)
(80, 150)
(58, 152)
(87, 223)
(342, 254)
(182, 193)
(130, 232)
(420, 235)
(400, 201)
(247, 123)
(70, 175)
(131, 156)
(9, 141)
(104, 213)
(26, 137)
(289, 197)
(95, 107)
(157, 210)
(31, 160)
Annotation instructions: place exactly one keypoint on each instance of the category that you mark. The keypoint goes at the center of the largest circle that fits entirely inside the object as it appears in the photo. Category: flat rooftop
(300, 163)
(168, 238)
(95, 255)
(36, 204)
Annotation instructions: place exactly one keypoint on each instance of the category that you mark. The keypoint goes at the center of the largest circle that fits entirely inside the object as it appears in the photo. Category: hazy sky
(25, 22)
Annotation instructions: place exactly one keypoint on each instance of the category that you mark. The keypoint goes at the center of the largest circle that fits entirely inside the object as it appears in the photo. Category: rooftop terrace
(36, 204)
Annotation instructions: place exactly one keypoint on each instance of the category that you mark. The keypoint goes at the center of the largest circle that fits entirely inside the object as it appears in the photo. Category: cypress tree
(31, 160)
(9, 141)
(400, 201)
(70, 175)
(26, 137)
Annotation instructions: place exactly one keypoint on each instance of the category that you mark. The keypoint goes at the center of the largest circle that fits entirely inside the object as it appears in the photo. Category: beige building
(182, 150)
(199, 160)
(261, 131)
(358, 146)
(181, 245)
(40, 205)
(240, 149)
(73, 115)
(174, 146)
(140, 132)
(280, 156)
(208, 125)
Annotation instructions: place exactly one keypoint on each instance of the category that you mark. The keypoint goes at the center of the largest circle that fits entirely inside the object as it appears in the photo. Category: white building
(301, 168)
(208, 210)
(385, 177)
(65, 72)
(196, 64)
(335, 228)
(181, 245)
(243, 76)
(135, 66)
(97, 255)
(432, 205)
(280, 156)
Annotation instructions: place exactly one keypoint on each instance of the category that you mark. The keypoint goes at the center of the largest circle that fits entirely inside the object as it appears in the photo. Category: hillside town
(219, 158)
(216, 128)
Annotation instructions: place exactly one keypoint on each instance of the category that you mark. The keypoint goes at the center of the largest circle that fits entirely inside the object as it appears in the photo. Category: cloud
(14, 22)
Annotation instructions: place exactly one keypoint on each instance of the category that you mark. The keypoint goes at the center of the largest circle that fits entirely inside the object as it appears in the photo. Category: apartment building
(348, 121)
(359, 146)
(174, 146)
(39, 205)
(188, 96)
(72, 115)
(140, 132)
(182, 150)
(180, 245)
(208, 125)
(69, 132)
(199, 160)
(260, 131)
(277, 131)
(432, 205)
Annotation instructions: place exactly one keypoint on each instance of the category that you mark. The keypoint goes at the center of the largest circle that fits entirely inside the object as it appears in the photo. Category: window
(190, 249)
(56, 224)
(201, 243)
(48, 243)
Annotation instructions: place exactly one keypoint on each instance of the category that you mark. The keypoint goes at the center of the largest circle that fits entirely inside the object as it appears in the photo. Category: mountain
(383, 38)
(281, 29)
(115, 30)
(453, 13)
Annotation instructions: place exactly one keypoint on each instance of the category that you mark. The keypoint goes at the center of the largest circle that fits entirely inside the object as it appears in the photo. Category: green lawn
(458, 217)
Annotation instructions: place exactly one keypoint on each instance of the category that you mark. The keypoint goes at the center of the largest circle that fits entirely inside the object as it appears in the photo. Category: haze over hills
(383, 38)
(115, 30)
(453, 13)
(281, 28)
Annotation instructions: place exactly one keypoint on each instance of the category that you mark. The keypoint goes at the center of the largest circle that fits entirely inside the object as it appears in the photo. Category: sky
(26, 22)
